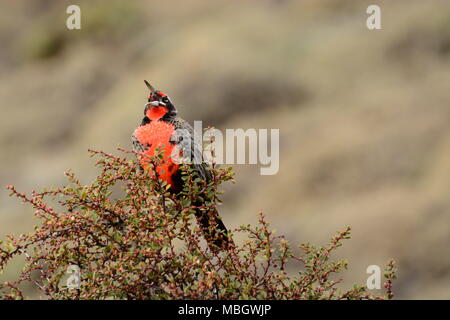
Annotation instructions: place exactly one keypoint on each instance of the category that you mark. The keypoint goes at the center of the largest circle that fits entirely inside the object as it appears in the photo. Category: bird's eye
(165, 99)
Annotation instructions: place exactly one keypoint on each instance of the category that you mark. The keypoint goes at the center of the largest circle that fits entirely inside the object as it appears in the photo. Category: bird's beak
(149, 86)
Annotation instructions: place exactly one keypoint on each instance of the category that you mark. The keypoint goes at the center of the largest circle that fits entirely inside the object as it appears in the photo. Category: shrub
(145, 244)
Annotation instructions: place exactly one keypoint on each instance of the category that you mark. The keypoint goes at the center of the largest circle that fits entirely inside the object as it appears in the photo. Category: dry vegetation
(146, 244)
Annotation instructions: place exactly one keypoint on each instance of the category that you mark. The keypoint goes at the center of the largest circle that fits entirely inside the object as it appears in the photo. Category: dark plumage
(161, 127)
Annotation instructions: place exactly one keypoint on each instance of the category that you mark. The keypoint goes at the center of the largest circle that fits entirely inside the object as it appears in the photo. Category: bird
(161, 130)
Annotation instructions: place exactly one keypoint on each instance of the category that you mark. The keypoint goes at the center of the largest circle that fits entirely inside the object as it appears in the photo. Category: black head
(160, 101)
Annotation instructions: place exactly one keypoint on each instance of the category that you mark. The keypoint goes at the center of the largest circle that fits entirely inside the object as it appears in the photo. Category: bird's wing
(191, 148)
(137, 146)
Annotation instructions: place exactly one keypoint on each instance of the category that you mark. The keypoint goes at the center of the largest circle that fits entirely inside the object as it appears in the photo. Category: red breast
(153, 135)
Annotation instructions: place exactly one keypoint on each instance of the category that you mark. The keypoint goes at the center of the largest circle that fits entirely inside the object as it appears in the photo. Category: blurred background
(363, 115)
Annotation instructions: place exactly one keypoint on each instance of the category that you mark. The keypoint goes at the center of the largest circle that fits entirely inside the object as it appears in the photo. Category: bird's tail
(214, 230)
